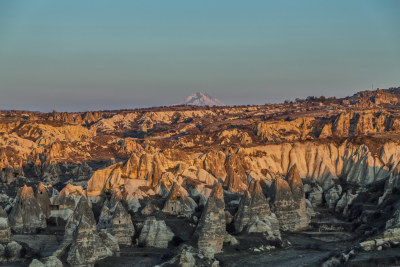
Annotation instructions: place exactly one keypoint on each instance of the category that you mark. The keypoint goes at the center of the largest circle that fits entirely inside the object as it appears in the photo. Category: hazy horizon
(78, 56)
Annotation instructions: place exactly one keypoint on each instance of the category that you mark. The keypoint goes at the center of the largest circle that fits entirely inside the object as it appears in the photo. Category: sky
(79, 55)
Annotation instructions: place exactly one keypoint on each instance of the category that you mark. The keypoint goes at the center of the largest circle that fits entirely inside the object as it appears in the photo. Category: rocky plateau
(311, 182)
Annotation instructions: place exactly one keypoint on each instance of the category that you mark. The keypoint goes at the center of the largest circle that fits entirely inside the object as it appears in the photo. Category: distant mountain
(201, 99)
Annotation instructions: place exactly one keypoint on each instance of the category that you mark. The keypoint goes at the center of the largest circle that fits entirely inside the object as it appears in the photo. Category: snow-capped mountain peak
(201, 99)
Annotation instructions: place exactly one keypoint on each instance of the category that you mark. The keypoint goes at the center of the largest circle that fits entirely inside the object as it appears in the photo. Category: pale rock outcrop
(155, 233)
(231, 240)
(236, 179)
(214, 162)
(254, 211)
(191, 257)
(66, 201)
(43, 199)
(332, 196)
(297, 129)
(200, 175)
(52, 261)
(292, 215)
(392, 183)
(315, 194)
(178, 202)
(82, 210)
(104, 218)
(211, 229)
(36, 263)
(86, 247)
(121, 226)
(269, 225)
(390, 235)
(343, 203)
(27, 216)
(109, 241)
(5, 230)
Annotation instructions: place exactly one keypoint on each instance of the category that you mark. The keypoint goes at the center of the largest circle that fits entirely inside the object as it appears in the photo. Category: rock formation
(236, 179)
(254, 214)
(27, 216)
(178, 202)
(211, 229)
(5, 230)
(121, 226)
(289, 208)
(43, 199)
(190, 257)
(82, 210)
(155, 233)
(86, 247)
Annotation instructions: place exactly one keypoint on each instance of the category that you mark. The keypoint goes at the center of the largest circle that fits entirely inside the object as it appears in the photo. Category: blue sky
(90, 55)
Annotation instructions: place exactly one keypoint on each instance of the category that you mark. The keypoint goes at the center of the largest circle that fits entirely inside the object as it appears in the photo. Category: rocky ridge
(222, 174)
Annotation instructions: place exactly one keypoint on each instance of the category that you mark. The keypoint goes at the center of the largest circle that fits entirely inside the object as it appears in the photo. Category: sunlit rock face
(27, 216)
(211, 229)
(322, 163)
(236, 179)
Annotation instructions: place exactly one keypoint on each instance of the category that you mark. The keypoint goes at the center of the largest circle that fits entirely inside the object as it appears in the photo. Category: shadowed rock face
(27, 216)
(5, 230)
(121, 226)
(87, 247)
(289, 208)
(82, 210)
(43, 199)
(253, 206)
(155, 233)
(211, 229)
(178, 202)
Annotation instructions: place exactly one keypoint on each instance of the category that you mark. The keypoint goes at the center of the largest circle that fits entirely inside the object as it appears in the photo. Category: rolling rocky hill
(213, 185)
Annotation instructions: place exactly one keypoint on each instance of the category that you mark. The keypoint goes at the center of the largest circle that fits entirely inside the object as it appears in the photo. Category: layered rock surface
(121, 226)
(288, 202)
(254, 214)
(27, 216)
(211, 229)
(178, 202)
(155, 233)
(5, 230)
